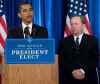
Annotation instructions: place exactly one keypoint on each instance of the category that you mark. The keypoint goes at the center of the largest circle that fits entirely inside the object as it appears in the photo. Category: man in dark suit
(78, 55)
(27, 28)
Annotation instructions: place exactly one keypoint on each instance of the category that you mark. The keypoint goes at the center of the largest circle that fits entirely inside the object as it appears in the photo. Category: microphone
(26, 32)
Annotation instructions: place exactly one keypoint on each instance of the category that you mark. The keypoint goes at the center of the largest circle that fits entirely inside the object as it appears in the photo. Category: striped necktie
(26, 32)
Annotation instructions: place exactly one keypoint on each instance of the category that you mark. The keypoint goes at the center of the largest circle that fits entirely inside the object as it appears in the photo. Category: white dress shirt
(24, 26)
(80, 38)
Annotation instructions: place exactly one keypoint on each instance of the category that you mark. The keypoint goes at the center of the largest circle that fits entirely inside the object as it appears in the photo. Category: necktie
(77, 43)
(26, 32)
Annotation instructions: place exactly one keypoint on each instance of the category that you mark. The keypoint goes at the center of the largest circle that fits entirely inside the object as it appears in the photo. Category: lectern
(29, 61)
(29, 73)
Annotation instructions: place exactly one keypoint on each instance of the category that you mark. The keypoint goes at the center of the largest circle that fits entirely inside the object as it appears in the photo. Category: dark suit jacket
(86, 57)
(37, 32)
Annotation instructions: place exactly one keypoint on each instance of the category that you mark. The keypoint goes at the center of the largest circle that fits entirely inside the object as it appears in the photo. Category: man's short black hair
(81, 17)
(24, 3)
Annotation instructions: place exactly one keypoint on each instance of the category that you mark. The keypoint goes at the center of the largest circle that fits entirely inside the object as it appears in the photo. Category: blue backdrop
(94, 16)
(47, 13)
(52, 15)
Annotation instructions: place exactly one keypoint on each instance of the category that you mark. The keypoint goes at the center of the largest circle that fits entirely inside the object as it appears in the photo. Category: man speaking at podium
(27, 28)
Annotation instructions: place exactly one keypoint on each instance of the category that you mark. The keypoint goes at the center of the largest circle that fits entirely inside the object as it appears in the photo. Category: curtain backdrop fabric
(51, 14)
(94, 15)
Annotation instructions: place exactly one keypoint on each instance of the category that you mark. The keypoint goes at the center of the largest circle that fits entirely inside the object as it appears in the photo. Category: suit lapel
(34, 31)
(83, 41)
(20, 31)
(73, 42)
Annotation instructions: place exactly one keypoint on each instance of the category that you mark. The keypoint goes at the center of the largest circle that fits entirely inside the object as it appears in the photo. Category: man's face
(76, 25)
(26, 13)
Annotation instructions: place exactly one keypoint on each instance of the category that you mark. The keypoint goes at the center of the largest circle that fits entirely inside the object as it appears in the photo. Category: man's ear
(19, 15)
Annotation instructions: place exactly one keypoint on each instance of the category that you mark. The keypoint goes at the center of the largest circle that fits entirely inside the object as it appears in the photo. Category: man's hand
(77, 74)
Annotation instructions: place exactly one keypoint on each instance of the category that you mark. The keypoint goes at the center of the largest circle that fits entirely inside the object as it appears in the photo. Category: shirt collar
(29, 25)
(80, 37)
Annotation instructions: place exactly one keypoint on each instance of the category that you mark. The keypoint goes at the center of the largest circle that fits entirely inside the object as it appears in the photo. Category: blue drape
(47, 13)
(94, 15)
(50, 14)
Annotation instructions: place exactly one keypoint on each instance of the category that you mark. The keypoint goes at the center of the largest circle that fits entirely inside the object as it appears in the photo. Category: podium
(29, 73)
